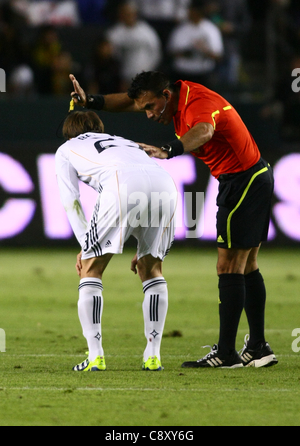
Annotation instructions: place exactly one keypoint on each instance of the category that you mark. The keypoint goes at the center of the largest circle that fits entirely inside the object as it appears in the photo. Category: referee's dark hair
(80, 122)
(153, 81)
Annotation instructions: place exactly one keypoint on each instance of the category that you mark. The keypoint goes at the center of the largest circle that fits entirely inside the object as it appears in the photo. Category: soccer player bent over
(123, 175)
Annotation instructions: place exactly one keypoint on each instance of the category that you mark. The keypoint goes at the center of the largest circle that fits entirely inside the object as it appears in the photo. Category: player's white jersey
(89, 156)
(107, 164)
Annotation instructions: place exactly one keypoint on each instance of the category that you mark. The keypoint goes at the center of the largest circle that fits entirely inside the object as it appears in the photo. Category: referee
(209, 128)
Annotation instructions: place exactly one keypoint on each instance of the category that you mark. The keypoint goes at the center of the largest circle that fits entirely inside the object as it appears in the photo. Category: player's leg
(95, 266)
(255, 300)
(155, 307)
(155, 235)
(256, 351)
(242, 221)
(90, 306)
(101, 242)
(230, 267)
(232, 293)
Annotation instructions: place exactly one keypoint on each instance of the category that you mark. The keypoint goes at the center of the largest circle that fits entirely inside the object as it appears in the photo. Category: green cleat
(153, 364)
(95, 366)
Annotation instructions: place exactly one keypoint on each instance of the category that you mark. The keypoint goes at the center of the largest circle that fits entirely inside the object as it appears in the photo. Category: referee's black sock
(232, 292)
(255, 307)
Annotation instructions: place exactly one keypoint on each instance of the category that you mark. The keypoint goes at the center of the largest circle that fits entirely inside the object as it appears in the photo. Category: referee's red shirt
(232, 148)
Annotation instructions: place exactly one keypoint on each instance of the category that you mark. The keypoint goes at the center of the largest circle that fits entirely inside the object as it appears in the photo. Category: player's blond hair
(80, 122)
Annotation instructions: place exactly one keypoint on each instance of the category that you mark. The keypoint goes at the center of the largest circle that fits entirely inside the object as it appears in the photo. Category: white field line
(140, 389)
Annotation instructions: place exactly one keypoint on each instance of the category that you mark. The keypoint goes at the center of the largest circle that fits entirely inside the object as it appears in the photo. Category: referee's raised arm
(116, 102)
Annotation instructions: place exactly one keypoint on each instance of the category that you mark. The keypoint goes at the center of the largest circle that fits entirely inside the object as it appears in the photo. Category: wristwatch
(167, 148)
(96, 102)
(175, 148)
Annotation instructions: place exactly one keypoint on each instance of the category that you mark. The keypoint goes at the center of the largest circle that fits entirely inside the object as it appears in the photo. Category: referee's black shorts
(244, 203)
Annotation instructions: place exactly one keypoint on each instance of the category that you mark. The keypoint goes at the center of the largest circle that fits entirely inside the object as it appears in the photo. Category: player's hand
(78, 95)
(134, 264)
(78, 265)
(154, 152)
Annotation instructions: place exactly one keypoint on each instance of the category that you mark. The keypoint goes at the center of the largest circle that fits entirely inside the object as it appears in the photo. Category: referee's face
(157, 108)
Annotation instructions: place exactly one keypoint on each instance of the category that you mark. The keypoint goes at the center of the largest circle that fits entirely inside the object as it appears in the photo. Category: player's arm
(134, 262)
(78, 265)
(67, 181)
(196, 137)
(116, 102)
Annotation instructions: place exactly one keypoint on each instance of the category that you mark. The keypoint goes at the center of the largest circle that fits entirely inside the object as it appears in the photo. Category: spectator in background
(51, 62)
(45, 51)
(11, 50)
(14, 55)
(137, 45)
(62, 64)
(104, 72)
(196, 47)
(163, 15)
(21, 82)
(54, 12)
(234, 21)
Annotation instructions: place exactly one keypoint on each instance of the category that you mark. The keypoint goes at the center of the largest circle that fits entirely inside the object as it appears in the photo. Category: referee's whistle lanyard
(163, 110)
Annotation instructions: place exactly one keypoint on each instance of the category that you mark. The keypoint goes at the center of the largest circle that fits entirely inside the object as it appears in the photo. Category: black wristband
(174, 148)
(96, 102)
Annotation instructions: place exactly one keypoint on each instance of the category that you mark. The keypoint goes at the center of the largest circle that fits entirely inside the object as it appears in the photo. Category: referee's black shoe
(262, 356)
(214, 360)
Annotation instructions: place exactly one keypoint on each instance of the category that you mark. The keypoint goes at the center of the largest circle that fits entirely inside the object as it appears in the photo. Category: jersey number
(102, 145)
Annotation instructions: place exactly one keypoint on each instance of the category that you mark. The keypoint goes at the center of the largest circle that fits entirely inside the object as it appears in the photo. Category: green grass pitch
(38, 311)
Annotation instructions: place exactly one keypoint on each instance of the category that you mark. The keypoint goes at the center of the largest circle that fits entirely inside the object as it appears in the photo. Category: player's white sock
(90, 308)
(155, 307)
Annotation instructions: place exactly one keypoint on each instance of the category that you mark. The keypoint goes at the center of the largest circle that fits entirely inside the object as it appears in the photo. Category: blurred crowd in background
(246, 49)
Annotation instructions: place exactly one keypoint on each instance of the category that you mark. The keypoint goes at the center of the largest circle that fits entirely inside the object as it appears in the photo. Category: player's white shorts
(134, 201)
